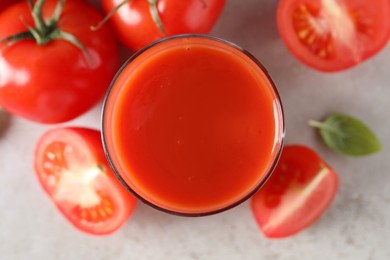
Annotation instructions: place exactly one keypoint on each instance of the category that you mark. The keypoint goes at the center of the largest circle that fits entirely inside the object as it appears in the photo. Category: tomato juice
(193, 125)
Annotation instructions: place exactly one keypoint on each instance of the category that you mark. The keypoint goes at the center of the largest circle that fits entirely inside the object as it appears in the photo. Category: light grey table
(356, 226)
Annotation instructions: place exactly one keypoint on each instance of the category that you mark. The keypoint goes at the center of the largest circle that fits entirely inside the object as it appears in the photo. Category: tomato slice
(72, 168)
(299, 191)
(333, 35)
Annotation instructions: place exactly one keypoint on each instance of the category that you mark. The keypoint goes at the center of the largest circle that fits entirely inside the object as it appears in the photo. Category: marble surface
(356, 226)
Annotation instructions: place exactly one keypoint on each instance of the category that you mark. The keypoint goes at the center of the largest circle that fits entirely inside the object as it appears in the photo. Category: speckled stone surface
(356, 226)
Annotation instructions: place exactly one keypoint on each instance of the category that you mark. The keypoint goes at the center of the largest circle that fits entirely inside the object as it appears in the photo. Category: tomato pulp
(334, 35)
(298, 193)
(193, 125)
(71, 166)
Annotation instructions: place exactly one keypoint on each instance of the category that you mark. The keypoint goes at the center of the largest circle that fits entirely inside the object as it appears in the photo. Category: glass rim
(250, 193)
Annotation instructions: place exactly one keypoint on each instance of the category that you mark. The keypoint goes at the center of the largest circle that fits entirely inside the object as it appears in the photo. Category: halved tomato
(299, 191)
(333, 35)
(73, 170)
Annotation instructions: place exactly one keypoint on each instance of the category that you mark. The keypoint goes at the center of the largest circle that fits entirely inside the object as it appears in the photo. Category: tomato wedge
(334, 35)
(73, 170)
(299, 191)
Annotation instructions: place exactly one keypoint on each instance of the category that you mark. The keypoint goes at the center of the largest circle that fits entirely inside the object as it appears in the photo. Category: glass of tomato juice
(192, 125)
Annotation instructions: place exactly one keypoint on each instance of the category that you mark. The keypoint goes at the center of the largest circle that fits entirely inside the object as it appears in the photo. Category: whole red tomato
(334, 35)
(55, 81)
(299, 191)
(71, 166)
(136, 24)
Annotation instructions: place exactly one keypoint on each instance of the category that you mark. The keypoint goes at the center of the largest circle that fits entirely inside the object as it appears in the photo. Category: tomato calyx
(153, 12)
(44, 31)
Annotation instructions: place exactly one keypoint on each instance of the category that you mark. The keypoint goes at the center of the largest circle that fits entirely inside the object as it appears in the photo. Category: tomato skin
(5, 3)
(135, 27)
(55, 82)
(91, 150)
(369, 31)
(300, 189)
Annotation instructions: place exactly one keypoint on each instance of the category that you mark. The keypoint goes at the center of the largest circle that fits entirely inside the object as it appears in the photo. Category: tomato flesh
(297, 194)
(333, 35)
(72, 168)
(308, 29)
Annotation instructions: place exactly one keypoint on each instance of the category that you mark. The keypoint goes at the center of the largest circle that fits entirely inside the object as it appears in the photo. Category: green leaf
(347, 135)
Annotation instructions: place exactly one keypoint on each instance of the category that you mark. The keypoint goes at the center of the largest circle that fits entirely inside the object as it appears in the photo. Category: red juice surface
(193, 125)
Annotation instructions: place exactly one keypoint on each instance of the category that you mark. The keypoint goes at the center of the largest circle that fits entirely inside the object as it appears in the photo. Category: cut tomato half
(334, 35)
(72, 168)
(299, 191)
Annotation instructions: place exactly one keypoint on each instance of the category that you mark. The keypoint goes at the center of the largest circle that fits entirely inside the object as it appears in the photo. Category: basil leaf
(347, 135)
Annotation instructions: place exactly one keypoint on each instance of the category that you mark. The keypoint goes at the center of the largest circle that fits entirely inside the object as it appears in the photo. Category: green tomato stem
(11, 40)
(31, 3)
(57, 13)
(41, 27)
(61, 35)
(153, 11)
(108, 16)
(156, 16)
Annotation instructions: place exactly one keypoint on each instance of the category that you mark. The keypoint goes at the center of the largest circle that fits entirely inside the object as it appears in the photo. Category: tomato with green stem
(334, 35)
(299, 191)
(71, 166)
(140, 22)
(53, 68)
